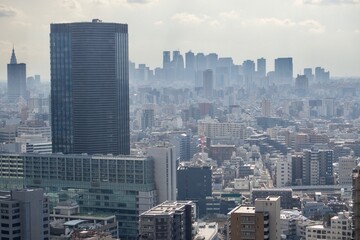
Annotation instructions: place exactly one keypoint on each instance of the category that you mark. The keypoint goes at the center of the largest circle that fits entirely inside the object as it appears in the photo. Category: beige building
(213, 129)
(259, 223)
(340, 228)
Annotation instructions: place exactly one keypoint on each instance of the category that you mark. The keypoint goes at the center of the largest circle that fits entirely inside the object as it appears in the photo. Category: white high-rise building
(283, 172)
(346, 165)
(165, 172)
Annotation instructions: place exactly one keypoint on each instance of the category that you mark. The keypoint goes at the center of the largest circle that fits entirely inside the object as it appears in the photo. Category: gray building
(284, 70)
(24, 215)
(90, 87)
(16, 79)
(286, 199)
(317, 167)
(195, 183)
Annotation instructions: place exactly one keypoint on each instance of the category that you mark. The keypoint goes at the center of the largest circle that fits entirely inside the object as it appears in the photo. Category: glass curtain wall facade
(90, 88)
(120, 185)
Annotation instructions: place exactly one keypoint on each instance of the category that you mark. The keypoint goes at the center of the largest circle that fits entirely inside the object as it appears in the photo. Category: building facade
(317, 167)
(258, 223)
(356, 201)
(165, 172)
(284, 70)
(119, 185)
(16, 79)
(169, 220)
(195, 183)
(24, 215)
(90, 88)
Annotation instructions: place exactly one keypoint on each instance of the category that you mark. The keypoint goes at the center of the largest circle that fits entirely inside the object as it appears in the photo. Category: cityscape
(205, 144)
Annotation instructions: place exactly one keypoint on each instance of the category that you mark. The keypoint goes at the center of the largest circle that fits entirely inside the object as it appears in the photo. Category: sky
(314, 32)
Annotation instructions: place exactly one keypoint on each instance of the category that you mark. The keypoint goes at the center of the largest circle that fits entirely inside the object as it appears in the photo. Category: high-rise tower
(16, 79)
(284, 70)
(90, 87)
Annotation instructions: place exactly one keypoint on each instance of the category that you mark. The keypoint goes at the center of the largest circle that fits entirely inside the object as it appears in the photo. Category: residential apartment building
(259, 222)
(340, 228)
(317, 167)
(212, 128)
(169, 220)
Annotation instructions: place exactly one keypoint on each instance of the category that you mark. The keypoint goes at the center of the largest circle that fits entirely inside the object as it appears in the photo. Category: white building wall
(346, 164)
(165, 172)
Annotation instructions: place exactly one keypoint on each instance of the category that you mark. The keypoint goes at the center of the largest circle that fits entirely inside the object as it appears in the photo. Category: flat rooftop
(245, 210)
(167, 208)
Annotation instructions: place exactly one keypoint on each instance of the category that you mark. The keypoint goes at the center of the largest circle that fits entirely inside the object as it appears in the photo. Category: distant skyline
(314, 32)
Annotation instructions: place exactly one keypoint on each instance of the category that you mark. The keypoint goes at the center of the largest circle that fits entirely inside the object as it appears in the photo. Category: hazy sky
(314, 32)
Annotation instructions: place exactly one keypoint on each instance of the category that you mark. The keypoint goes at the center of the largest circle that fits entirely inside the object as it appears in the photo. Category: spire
(13, 57)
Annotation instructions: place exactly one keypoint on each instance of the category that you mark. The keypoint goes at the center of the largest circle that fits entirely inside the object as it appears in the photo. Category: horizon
(302, 29)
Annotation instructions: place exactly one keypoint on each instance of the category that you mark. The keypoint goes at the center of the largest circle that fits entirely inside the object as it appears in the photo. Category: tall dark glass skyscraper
(90, 87)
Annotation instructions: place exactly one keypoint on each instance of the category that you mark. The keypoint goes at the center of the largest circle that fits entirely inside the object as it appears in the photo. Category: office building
(187, 190)
(169, 220)
(309, 74)
(248, 69)
(284, 70)
(181, 141)
(346, 165)
(208, 83)
(90, 88)
(286, 199)
(16, 79)
(147, 118)
(212, 128)
(100, 184)
(296, 168)
(266, 107)
(261, 67)
(190, 66)
(258, 223)
(165, 171)
(166, 59)
(24, 215)
(301, 85)
(321, 75)
(356, 201)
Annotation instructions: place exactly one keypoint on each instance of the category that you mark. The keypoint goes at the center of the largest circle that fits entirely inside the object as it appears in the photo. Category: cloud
(214, 23)
(326, 2)
(309, 25)
(312, 26)
(229, 15)
(141, 1)
(71, 4)
(190, 18)
(158, 23)
(7, 11)
(269, 21)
